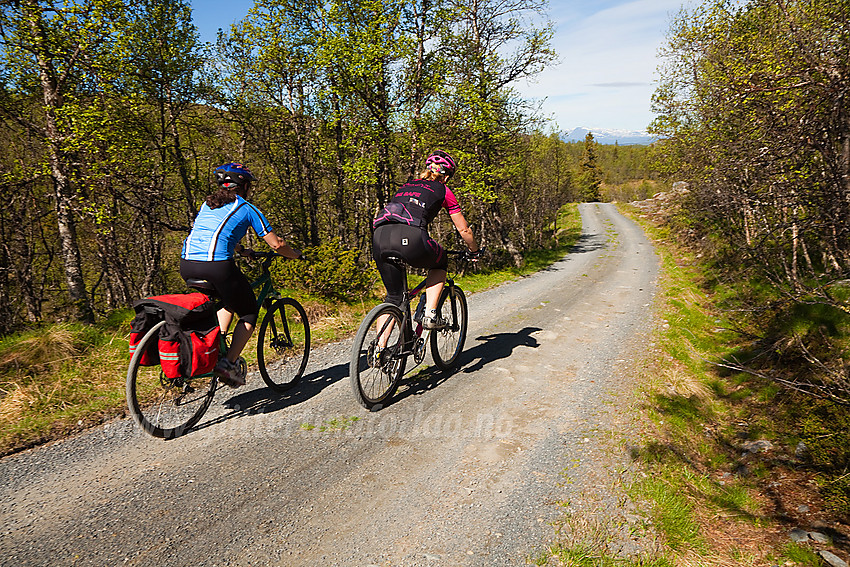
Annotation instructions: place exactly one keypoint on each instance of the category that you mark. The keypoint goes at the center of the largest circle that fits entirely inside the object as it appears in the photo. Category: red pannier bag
(146, 317)
(189, 341)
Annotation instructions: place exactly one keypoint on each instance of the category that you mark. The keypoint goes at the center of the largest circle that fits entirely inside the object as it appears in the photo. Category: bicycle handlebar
(466, 255)
(255, 255)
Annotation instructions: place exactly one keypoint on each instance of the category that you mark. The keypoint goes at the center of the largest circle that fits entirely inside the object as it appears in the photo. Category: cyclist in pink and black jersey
(401, 229)
(209, 251)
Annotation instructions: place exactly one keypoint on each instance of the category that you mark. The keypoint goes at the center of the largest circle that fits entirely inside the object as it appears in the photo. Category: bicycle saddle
(203, 286)
(397, 260)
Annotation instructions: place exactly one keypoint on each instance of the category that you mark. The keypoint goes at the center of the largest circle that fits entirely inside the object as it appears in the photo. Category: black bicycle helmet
(231, 174)
(441, 162)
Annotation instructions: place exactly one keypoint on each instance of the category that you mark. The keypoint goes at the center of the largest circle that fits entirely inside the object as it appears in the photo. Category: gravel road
(464, 468)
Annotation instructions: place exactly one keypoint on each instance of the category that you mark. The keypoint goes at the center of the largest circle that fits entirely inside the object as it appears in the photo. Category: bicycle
(387, 337)
(169, 407)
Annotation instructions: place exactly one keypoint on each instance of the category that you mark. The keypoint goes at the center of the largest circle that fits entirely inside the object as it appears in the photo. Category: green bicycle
(169, 407)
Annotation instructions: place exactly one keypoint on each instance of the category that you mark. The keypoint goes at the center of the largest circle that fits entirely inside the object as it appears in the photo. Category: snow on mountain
(609, 136)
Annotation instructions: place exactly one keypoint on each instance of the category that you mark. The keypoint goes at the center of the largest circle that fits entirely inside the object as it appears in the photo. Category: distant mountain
(606, 136)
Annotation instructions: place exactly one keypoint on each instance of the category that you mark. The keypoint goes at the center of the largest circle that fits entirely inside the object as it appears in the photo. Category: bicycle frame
(412, 335)
(387, 337)
(266, 290)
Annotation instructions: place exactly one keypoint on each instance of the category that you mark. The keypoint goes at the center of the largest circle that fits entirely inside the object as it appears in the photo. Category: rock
(801, 450)
(832, 559)
(758, 446)
(799, 536)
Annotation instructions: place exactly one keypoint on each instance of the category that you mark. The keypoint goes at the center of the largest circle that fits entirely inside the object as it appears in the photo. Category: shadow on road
(498, 346)
(490, 349)
(265, 400)
(585, 244)
(589, 243)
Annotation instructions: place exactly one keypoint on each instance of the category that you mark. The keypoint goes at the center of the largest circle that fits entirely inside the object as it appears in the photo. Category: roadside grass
(708, 500)
(61, 379)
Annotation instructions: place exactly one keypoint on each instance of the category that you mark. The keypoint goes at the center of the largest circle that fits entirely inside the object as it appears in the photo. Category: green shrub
(329, 270)
(826, 434)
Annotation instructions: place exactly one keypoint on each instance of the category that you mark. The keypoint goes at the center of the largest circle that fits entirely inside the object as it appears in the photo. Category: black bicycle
(168, 407)
(389, 335)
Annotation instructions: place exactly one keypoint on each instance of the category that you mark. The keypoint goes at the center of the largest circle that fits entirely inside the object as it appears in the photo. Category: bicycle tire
(163, 407)
(283, 344)
(374, 381)
(447, 344)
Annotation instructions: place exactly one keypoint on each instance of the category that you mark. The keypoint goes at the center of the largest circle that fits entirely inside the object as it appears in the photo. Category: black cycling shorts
(230, 283)
(410, 243)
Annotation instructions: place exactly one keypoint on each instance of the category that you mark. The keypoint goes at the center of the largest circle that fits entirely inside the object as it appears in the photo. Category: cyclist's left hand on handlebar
(474, 256)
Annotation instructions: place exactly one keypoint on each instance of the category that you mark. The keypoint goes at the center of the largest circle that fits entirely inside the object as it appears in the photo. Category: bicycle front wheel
(377, 356)
(165, 407)
(283, 344)
(447, 344)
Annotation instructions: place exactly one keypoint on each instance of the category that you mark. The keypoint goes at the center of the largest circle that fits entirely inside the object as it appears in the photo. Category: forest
(754, 107)
(113, 116)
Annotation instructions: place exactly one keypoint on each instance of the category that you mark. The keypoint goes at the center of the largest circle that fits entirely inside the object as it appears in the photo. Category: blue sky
(607, 49)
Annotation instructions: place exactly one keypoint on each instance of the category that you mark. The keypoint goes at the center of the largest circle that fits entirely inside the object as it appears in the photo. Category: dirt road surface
(466, 468)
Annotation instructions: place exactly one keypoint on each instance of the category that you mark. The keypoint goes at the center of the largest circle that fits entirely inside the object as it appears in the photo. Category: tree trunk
(504, 237)
(63, 194)
(191, 209)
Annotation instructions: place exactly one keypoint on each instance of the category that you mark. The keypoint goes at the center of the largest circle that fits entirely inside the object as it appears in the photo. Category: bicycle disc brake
(280, 344)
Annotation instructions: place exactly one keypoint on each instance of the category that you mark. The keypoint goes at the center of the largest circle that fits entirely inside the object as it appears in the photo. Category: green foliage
(329, 270)
(590, 178)
(800, 555)
(751, 116)
(825, 430)
(333, 105)
(672, 511)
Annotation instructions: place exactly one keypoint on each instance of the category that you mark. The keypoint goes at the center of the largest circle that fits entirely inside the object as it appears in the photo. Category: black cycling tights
(410, 243)
(230, 283)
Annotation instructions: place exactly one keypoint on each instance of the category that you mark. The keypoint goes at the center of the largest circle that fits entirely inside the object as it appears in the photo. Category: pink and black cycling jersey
(417, 203)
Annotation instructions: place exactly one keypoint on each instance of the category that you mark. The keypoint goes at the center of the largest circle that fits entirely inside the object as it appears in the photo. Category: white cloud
(606, 74)
(607, 48)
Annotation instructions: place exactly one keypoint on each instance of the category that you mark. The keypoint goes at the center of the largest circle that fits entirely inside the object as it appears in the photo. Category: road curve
(466, 468)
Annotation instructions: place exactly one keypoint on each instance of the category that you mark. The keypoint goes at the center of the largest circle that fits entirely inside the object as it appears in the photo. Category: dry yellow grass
(49, 348)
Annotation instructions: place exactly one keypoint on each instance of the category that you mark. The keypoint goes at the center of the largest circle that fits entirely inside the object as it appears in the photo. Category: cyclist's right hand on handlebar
(474, 256)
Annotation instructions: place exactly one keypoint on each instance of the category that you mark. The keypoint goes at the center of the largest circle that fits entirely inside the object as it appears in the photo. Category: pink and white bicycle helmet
(441, 162)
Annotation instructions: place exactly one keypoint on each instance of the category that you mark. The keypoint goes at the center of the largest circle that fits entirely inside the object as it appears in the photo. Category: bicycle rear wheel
(283, 344)
(377, 356)
(165, 407)
(447, 344)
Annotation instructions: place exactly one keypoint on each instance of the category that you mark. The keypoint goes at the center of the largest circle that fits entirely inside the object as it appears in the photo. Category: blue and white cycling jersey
(217, 231)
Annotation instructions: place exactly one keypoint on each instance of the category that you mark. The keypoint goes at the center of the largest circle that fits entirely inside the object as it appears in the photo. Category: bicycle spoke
(378, 358)
(283, 344)
(165, 407)
(447, 344)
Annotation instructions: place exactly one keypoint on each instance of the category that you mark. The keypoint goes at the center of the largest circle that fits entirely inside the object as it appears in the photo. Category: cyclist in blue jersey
(401, 229)
(209, 251)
